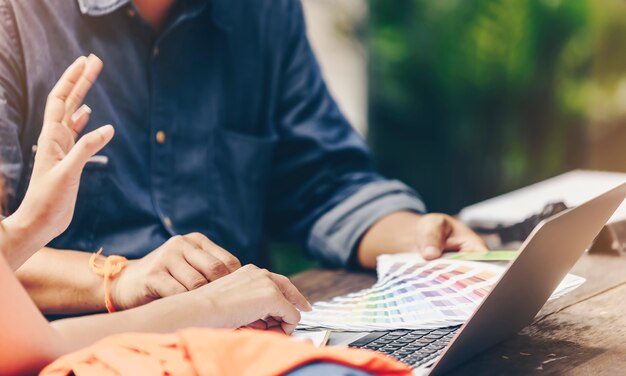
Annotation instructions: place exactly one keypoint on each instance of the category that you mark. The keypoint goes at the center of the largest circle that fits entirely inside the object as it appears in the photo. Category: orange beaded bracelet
(112, 266)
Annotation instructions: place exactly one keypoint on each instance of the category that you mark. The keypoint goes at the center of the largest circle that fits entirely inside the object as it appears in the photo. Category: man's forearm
(61, 282)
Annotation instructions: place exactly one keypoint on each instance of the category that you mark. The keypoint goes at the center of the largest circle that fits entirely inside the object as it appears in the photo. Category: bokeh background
(465, 100)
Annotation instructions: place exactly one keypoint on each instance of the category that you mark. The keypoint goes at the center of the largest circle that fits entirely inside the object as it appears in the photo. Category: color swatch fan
(413, 294)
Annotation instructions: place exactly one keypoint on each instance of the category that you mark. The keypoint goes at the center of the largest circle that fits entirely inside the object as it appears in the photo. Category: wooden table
(582, 333)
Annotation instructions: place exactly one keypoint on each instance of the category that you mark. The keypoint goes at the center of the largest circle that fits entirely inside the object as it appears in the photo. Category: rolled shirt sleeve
(336, 235)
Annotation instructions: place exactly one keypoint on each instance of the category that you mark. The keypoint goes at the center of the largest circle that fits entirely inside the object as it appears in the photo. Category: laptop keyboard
(413, 347)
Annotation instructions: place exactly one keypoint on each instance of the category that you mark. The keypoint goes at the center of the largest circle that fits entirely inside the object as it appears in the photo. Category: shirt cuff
(335, 235)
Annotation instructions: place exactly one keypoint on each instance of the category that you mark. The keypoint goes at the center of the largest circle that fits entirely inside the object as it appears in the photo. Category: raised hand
(48, 205)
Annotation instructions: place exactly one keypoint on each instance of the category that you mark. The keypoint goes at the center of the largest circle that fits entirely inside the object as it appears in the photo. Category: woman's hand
(48, 205)
(183, 263)
(248, 296)
(253, 297)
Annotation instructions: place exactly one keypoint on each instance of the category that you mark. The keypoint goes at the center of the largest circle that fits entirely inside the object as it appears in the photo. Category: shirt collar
(220, 8)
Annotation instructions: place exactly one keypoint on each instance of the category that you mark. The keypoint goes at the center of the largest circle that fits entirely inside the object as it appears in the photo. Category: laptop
(544, 259)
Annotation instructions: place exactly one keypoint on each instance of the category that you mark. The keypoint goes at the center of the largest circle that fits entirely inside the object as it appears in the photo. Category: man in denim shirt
(225, 135)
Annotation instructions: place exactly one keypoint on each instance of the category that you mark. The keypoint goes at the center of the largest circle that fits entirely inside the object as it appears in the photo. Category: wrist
(208, 306)
(393, 233)
(17, 240)
(116, 289)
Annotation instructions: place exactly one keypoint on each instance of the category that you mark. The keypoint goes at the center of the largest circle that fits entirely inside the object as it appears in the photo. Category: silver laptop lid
(545, 258)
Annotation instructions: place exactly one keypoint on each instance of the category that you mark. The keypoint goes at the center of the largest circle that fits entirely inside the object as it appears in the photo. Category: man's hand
(183, 263)
(428, 234)
(256, 298)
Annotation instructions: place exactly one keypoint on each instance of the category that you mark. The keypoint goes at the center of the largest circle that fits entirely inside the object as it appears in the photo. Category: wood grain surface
(582, 333)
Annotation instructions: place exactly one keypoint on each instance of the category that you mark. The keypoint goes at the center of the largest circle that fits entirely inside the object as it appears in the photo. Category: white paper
(572, 188)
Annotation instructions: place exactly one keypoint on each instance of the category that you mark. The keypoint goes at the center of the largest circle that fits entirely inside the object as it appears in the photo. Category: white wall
(342, 57)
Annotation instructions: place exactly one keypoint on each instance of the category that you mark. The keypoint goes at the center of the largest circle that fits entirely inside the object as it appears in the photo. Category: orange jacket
(204, 352)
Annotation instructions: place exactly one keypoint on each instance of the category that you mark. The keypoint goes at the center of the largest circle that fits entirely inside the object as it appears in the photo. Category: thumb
(87, 147)
(431, 235)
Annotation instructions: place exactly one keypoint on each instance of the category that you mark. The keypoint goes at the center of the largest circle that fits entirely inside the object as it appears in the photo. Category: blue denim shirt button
(160, 137)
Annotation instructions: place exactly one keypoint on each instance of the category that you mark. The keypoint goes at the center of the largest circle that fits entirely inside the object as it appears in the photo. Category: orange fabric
(112, 266)
(208, 352)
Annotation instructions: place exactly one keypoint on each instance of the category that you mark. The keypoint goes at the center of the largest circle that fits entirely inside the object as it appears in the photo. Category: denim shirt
(224, 126)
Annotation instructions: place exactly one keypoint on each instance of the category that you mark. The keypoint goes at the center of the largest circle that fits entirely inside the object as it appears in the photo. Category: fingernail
(304, 307)
(93, 58)
(431, 252)
(79, 60)
(106, 131)
(82, 110)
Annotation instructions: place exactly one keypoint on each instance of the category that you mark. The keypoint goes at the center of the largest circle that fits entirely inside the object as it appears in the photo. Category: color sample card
(411, 294)
(496, 255)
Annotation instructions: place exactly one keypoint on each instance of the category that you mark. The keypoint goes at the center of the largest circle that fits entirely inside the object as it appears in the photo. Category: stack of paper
(412, 294)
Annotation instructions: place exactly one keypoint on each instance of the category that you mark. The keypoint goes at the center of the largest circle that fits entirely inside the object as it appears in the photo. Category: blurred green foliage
(288, 259)
(469, 99)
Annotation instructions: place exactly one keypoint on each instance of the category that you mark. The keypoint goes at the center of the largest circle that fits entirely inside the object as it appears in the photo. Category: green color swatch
(495, 255)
